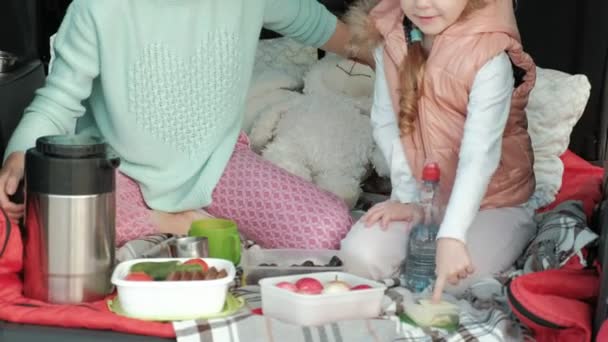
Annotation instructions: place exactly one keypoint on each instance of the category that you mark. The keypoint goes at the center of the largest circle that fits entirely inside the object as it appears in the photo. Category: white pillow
(555, 105)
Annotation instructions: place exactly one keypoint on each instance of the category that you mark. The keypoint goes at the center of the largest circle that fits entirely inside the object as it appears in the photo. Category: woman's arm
(306, 21)
(58, 104)
(310, 23)
(338, 44)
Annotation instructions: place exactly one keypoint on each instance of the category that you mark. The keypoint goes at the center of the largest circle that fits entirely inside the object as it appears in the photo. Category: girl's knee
(365, 261)
(372, 252)
(358, 255)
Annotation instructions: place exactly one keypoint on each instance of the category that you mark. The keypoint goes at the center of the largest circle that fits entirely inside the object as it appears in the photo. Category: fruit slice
(156, 270)
(427, 314)
(188, 268)
(197, 261)
(138, 276)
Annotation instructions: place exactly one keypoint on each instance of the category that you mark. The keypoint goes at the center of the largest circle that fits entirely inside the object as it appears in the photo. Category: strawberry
(138, 276)
(200, 262)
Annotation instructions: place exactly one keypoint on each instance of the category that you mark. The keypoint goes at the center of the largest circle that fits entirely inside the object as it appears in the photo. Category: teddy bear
(322, 134)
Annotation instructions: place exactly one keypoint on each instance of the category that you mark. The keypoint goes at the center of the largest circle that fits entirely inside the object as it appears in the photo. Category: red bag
(556, 304)
(11, 248)
(581, 181)
(16, 308)
(602, 335)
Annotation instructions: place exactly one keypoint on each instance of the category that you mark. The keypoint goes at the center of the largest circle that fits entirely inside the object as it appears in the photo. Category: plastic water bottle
(418, 269)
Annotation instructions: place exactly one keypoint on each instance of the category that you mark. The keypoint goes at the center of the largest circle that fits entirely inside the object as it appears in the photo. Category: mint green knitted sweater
(164, 82)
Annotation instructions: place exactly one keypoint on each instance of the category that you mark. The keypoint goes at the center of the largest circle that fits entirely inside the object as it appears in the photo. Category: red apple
(309, 286)
(360, 287)
(287, 286)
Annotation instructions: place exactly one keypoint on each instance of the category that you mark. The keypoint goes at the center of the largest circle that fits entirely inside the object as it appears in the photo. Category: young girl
(454, 91)
(164, 83)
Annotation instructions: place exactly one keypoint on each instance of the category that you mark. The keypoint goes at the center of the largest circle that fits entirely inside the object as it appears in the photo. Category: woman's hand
(390, 211)
(10, 176)
(339, 42)
(453, 264)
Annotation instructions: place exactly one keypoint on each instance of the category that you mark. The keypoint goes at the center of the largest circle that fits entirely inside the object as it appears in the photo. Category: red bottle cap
(431, 172)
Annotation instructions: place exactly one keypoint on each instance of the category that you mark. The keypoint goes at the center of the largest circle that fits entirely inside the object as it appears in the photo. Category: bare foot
(177, 223)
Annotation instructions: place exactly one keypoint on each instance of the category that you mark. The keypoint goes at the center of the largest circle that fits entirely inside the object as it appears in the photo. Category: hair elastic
(412, 33)
(415, 35)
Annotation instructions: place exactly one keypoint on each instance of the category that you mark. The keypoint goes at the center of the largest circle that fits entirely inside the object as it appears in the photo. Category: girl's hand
(390, 211)
(453, 264)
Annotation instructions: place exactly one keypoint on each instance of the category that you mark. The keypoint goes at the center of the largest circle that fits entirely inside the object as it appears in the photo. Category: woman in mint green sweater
(164, 83)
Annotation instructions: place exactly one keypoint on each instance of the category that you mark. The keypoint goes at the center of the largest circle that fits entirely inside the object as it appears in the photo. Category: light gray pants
(495, 240)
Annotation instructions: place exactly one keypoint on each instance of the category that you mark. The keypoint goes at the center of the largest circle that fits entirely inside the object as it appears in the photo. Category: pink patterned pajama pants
(271, 206)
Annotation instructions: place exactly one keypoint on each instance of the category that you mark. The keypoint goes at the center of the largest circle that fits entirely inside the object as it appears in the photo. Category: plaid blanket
(491, 324)
(562, 235)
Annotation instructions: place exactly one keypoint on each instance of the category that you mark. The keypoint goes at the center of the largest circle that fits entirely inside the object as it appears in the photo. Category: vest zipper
(425, 153)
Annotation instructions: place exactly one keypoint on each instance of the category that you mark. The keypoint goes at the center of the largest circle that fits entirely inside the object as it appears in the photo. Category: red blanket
(18, 309)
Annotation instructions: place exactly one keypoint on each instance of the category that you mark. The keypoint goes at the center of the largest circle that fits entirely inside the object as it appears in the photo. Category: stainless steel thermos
(69, 219)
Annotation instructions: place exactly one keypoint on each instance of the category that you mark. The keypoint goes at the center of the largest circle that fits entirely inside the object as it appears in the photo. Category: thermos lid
(71, 146)
(70, 165)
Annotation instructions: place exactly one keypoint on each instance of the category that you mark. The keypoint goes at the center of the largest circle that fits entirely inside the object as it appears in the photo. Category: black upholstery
(572, 36)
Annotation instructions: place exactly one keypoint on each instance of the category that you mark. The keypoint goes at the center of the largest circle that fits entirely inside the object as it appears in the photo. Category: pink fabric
(275, 208)
(132, 214)
(271, 206)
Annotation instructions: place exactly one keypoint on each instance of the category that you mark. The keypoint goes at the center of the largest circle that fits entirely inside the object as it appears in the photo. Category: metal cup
(189, 247)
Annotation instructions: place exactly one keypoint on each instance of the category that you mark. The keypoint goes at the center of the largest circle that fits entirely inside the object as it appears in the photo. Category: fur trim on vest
(364, 34)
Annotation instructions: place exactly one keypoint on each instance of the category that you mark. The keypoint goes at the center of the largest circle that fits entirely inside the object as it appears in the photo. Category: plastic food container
(184, 299)
(303, 309)
(284, 259)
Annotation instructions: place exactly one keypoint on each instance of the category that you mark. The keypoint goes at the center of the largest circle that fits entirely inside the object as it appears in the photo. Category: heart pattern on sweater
(186, 103)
